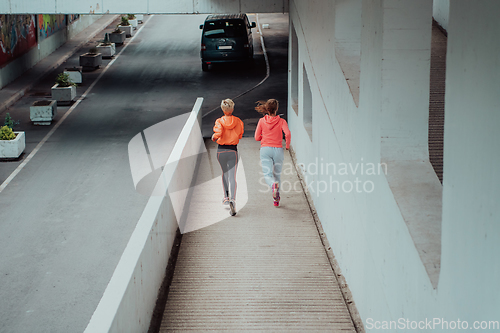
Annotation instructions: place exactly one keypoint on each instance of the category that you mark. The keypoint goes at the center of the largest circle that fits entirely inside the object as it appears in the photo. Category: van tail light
(203, 47)
(246, 46)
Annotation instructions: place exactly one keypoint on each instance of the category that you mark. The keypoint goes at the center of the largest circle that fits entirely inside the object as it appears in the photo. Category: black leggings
(228, 160)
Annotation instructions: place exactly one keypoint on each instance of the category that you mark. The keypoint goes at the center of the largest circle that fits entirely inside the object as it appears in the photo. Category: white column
(406, 46)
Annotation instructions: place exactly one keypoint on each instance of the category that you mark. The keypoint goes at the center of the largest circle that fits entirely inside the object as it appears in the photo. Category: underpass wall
(366, 227)
(45, 47)
(340, 154)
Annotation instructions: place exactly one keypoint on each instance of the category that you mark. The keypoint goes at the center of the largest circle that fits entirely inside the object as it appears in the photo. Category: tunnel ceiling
(141, 7)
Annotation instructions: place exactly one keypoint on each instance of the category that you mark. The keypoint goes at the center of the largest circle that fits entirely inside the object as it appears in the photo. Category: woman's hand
(213, 139)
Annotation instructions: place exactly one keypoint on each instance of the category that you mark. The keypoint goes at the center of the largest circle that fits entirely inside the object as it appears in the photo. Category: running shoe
(232, 207)
(276, 191)
(225, 201)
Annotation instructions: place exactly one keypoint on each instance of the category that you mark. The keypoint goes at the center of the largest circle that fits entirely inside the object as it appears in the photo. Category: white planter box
(133, 22)
(107, 51)
(42, 112)
(63, 95)
(117, 38)
(75, 74)
(129, 30)
(139, 17)
(90, 62)
(13, 148)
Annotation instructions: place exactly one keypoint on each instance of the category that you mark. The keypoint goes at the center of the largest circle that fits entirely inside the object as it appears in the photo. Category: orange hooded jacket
(228, 130)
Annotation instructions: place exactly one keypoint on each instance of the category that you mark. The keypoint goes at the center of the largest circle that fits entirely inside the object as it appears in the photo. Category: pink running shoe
(276, 191)
(277, 199)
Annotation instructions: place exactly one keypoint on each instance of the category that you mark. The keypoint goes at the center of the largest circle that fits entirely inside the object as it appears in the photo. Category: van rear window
(225, 29)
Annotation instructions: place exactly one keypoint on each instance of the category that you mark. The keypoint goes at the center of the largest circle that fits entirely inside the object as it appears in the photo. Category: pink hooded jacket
(269, 132)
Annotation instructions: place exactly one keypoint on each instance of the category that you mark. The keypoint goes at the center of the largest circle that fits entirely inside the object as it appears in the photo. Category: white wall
(17, 67)
(441, 12)
(376, 249)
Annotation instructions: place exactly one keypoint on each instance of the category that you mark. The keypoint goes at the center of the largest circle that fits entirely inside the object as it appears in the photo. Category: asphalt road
(68, 215)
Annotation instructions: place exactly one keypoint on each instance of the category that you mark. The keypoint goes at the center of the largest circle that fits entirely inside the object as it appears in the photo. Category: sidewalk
(264, 269)
(15, 90)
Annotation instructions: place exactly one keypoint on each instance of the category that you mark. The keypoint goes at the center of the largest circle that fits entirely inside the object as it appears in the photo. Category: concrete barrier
(130, 297)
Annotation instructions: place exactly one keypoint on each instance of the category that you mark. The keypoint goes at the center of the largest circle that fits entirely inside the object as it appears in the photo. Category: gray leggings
(228, 160)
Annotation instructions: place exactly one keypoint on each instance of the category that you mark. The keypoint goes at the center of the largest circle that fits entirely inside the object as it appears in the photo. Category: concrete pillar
(470, 268)
(441, 12)
(348, 42)
(293, 67)
(407, 27)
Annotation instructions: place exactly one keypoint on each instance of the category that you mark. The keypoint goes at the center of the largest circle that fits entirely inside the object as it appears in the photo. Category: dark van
(226, 38)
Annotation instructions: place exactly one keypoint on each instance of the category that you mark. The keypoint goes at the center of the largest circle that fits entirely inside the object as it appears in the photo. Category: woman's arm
(258, 132)
(242, 128)
(286, 130)
(217, 130)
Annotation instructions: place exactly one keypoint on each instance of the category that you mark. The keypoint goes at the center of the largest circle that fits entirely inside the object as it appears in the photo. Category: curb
(20, 93)
(341, 281)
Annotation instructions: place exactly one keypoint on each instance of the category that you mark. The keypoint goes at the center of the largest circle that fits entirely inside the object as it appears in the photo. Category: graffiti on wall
(72, 18)
(49, 24)
(17, 36)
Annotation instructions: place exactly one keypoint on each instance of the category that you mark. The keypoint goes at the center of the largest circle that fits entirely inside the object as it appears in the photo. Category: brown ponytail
(267, 107)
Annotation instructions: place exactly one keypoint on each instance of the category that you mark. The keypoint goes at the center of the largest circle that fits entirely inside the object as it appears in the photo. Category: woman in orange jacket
(228, 131)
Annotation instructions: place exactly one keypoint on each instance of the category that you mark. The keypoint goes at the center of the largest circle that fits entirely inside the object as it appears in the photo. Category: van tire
(204, 67)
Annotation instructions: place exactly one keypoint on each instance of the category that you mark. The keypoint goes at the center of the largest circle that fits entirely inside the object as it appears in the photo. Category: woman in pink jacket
(269, 132)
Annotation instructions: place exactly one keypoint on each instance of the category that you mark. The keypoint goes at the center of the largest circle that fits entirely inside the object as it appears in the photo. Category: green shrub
(106, 41)
(131, 16)
(6, 133)
(63, 80)
(125, 21)
(9, 122)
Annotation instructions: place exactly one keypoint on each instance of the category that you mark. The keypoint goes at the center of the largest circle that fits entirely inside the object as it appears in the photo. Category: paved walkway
(264, 269)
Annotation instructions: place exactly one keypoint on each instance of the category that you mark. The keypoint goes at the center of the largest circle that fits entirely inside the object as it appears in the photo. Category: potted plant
(132, 20)
(106, 47)
(91, 60)
(64, 91)
(42, 112)
(117, 36)
(12, 143)
(139, 17)
(125, 26)
(75, 74)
